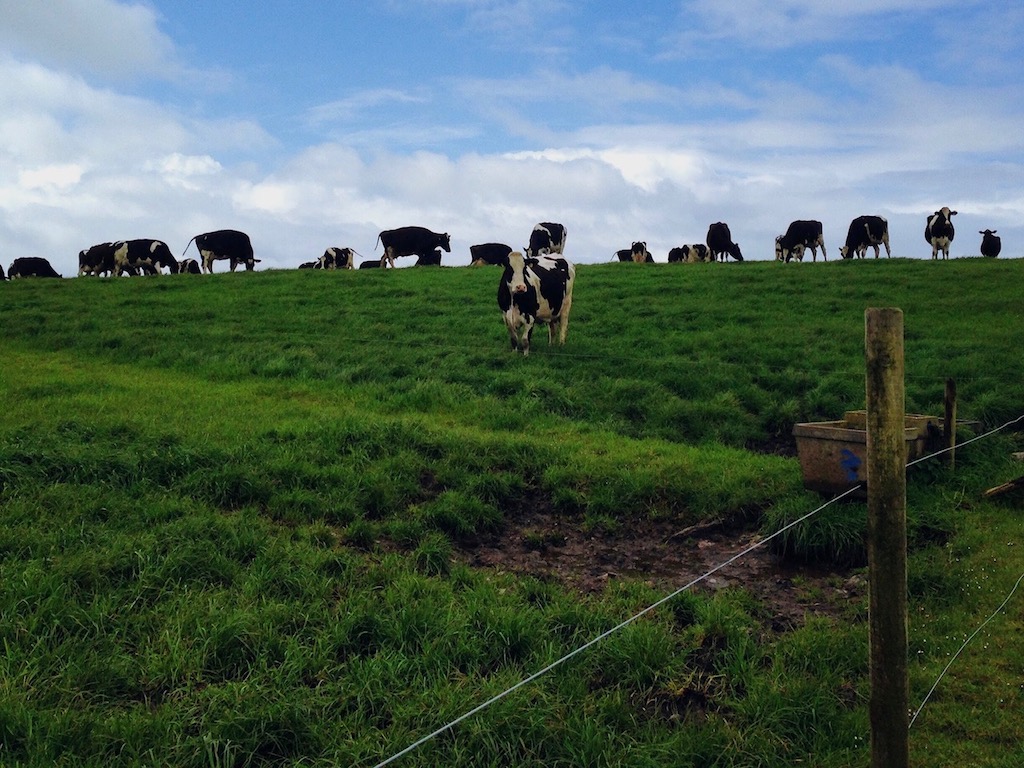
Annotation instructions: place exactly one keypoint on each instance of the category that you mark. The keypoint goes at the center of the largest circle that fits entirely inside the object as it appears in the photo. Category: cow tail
(187, 245)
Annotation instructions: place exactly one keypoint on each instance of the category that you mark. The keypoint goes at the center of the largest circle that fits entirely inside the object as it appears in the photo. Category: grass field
(235, 512)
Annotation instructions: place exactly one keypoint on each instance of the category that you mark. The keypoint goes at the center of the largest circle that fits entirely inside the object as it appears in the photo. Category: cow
(938, 231)
(227, 244)
(991, 244)
(720, 243)
(637, 253)
(97, 260)
(800, 235)
(547, 237)
(189, 267)
(2, 275)
(371, 264)
(411, 241)
(309, 265)
(149, 256)
(486, 254)
(337, 258)
(690, 254)
(432, 259)
(866, 231)
(31, 266)
(535, 290)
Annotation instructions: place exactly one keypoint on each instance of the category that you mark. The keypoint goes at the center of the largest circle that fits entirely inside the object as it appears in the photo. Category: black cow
(720, 243)
(536, 290)
(939, 232)
(309, 265)
(800, 235)
(31, 266)
(227, 244)
(2, 275)
(411, 241)
(189, 267)
(97, 260)
(432, 259)
(149, 256)
(485, 254)
(866, 231)
(337, 258)
(547, 237)
(372, 264)
(991, 244)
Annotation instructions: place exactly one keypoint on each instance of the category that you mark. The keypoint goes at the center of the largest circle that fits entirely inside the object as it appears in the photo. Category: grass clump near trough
(238, 516)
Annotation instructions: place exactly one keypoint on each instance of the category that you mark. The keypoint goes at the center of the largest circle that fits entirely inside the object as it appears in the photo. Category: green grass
(233, 513)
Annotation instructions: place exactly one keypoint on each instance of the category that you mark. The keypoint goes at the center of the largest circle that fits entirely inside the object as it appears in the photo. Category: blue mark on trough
(851, 463)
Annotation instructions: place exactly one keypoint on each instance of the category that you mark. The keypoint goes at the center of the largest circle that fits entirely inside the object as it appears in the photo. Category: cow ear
(952, 213)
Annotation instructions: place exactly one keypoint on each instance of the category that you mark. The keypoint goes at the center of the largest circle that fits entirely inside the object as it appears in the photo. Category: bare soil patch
(549, 547)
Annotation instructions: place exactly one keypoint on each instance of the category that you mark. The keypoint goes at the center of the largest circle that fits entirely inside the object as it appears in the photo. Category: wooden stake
(949, 424)
(886, 458)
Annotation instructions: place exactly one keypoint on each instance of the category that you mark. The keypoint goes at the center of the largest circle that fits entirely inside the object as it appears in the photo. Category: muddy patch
(668, 557)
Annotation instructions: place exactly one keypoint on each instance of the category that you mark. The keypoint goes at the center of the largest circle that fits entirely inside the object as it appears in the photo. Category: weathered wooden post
(887, 538)
(949, 422)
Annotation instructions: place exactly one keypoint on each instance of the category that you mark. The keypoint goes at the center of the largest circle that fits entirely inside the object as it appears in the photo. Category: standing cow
(690, 254)
(337, 258)
(800, 235)
(939, 232)
(866, 231)
(547, 237)
(149, 256)
(97, 260)
(484, 254)
(720, 242)
(991, 244)
(31, 266)
(536, 290)
(411, 241)
(227, 244)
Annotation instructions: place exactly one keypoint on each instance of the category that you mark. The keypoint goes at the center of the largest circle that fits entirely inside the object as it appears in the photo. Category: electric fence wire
(739, 555)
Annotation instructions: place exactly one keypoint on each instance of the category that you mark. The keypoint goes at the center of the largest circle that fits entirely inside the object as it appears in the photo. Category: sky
(315, 124)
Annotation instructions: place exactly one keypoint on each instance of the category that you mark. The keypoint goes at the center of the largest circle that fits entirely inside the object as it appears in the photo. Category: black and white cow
(991, 244)
(227, 244)
(800, 235)
(337, 258)
(411, 241)
(149, 256)
(939, 232)
(689, 254)
(432, 259)
(547, 237)
(536, 290)
(485, 254)
(866, 231)
(309, 265)
(189, 267)
(30, 266)
(720, 243)
(636, 253)
(96, 260)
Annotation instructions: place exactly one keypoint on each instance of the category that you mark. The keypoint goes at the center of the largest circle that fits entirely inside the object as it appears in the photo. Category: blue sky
(309, 124)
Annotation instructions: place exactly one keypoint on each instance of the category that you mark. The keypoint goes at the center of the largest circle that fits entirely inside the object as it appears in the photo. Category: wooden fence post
(887, 538)
(949, 422)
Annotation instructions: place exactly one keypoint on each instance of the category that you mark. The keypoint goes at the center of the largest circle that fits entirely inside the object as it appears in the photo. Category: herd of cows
(536, 283)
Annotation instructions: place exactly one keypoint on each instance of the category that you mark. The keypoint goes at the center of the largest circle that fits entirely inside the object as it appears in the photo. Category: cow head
(445, 242)
(517, 265)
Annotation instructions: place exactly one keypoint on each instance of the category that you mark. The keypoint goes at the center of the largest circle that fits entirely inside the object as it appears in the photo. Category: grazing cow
(189, 267)
(800, 235)
(866, 231)
(97, 260)
(309, 265)
(547, 237)
(991, 244)
(372, 264)
(720, 243)
(337, 258)
(227, 244)
(690, 254)
(411, 241)
(535, 290)
(149, 256)
(938, 231)
(485, 254)
(432, 259)
(30, 266)
(637, 253)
